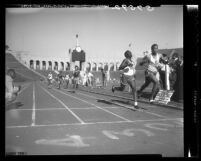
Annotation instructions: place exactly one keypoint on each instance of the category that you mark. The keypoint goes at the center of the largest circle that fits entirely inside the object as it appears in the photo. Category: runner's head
(128, 54)
(11, 72)
(76, 67)
(165, 57)
(175, 56)
(154, 48)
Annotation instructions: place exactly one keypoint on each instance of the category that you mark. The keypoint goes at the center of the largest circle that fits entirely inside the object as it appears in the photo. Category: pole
(167, 82)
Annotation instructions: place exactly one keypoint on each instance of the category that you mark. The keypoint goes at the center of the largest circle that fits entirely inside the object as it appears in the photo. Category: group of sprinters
(75, 78)
(154, 64)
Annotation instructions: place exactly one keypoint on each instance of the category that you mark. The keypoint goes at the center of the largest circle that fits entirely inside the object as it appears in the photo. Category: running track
(54, 122)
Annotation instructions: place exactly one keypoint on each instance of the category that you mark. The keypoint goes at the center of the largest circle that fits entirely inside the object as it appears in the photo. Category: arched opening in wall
(111, 66)
(67, 66)
(117, 66)
(88, 67)
(106, 67)
(100, 66)
(49, 65)
(37, 65)
(55, 65)
(94, 67)
(62, 66)
(43, 65)
(31, 64)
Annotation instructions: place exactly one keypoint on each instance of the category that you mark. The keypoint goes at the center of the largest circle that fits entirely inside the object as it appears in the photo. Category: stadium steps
(23, 73)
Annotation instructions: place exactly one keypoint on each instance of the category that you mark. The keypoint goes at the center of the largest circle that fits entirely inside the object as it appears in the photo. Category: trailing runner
(127, 69)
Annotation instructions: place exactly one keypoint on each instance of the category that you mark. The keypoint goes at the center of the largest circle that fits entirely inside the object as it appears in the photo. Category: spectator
(11, 90)
(49, 79)
(90, 79)
(84, 78)
(103, 74)
(76, 75)
(176, 76)
(60, 79)
(66, 79)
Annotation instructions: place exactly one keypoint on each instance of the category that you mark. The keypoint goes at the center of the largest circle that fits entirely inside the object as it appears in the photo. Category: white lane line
(94, 123)
(130, 107)
(47, 109)
(25, 87)
(34, 107)
(80, 120)
(41, 109)
(93, 105)
(85, 108)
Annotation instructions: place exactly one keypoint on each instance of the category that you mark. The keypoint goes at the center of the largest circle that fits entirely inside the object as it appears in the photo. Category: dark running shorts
(124, 79)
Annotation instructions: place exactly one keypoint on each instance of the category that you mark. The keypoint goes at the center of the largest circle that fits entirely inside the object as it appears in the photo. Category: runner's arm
(144, 60)
(123, 64)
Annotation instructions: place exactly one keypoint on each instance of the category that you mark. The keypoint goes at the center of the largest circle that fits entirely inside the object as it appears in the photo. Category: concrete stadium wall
(39, 63)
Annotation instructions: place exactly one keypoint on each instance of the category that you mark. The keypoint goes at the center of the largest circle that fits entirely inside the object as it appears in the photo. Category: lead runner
(127, 69)
(152, 65)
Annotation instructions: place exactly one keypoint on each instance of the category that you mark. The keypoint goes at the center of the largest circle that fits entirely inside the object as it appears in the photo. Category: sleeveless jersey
(76, 73)
(130, 71)
(152, 63)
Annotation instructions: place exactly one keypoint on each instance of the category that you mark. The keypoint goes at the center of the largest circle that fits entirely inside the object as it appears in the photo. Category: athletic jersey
(50, 76)
(85, 76)
(127, 68)
(60, 76)
(103, 74)
(76, 73)
(90, 75)
(57, 72)
(67, 77)
(152, 63)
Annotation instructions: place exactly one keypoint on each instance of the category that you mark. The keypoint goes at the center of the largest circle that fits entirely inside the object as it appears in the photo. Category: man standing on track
(127, 68)
(66, 79)
(90, 79)
(11, 90)
(76, 75)
(60, 79)
(151, 62)
(49, 79)
(103, 74)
